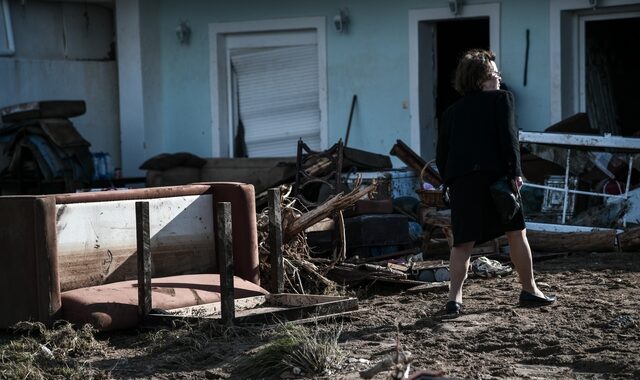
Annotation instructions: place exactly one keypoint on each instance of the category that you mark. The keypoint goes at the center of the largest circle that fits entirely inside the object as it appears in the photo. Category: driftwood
(543, 241)
(350, 273)
(381, 269)
(414, 161)
(630, 240)
(313, 269)
(594, 241)
(331, 206)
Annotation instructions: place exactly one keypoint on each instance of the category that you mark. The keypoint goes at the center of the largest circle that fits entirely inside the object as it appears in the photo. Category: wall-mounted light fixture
(593, 3)
(341, 20)
(183, 32)
(454, 7)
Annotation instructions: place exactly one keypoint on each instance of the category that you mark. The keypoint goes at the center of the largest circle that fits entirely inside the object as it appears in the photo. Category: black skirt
(473, 214)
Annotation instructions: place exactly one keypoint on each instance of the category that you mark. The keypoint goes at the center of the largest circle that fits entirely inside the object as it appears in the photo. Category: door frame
(419, 115)
(564, 52)
(582, 49)
(219, 72)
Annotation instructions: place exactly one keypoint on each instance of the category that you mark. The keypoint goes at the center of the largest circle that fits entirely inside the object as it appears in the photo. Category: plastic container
(102, 166)
(553, 201)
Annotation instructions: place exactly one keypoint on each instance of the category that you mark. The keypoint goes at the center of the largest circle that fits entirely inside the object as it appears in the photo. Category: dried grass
(56, 353)
(193, 343)
(312, 351)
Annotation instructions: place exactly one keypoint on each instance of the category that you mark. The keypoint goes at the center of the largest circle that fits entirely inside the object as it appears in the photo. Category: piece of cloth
(485, 267)
(473, 213)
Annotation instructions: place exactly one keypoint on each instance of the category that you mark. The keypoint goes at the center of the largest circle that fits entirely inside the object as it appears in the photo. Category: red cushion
(115, 306)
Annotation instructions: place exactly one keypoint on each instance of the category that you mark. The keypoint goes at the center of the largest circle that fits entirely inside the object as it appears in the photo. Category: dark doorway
(612, 79)
(453, 38)
(440, 44)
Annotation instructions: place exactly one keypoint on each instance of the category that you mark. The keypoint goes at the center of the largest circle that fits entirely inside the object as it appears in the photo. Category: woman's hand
(518, 182)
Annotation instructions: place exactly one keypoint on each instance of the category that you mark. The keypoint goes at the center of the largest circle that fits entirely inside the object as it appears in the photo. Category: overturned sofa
(73, 256)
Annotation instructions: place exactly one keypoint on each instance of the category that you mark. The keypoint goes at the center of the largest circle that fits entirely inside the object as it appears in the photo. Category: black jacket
(479, 133)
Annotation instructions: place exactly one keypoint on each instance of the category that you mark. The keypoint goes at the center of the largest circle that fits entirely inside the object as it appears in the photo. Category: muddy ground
(592, 332)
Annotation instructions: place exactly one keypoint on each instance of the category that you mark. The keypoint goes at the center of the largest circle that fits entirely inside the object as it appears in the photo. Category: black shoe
(453, 307)
(528, 299)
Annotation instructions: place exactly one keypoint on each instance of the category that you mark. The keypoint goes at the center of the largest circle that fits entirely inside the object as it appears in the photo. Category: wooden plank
(429, 287)
(225, 260)
(414, 161)
(275, 241)
(331, 317)
(215, 308)
(276, 309)
(144, 258)
(398, 281)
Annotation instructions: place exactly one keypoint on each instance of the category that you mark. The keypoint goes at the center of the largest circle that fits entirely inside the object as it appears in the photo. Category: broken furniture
(43, 152)
(73, 256)
(317, 173)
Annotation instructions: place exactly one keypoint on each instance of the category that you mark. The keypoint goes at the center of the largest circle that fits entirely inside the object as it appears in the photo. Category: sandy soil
(592, 332)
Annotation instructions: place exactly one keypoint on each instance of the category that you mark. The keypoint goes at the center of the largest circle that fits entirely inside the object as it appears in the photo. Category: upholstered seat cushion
(115, 306)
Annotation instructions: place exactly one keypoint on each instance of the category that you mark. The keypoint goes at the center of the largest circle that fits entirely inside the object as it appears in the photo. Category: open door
(441, 44)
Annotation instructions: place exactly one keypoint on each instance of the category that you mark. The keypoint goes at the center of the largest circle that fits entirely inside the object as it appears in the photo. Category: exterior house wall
(63, 54)
(371, 60)
(165, 90)
(532, 100)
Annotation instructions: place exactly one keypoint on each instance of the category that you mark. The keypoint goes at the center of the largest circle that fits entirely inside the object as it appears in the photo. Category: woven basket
(431, 198)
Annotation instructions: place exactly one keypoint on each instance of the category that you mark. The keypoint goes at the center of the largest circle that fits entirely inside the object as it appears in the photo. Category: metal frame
(588, 142)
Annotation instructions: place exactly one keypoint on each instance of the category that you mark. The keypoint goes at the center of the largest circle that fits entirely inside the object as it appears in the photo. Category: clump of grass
(193, 343)
(309, 350)
(41, 353)
(190, 336)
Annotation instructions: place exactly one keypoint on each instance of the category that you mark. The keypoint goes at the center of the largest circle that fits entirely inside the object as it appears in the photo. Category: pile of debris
(331, 239)
(42, 152)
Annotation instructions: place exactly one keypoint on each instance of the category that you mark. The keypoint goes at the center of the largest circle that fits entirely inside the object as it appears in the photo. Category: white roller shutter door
(278, 98)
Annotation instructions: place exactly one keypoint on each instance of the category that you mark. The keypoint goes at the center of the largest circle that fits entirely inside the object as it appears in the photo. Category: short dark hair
(473, 68)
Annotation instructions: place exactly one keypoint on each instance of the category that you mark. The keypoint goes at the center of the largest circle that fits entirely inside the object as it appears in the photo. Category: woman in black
(477, 144)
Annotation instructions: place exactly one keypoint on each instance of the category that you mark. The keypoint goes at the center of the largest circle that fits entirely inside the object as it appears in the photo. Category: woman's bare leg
(520, 254)
(458, 266)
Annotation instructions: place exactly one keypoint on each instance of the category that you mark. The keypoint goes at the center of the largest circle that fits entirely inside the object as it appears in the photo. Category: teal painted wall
(370, 61)
(532, 100)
